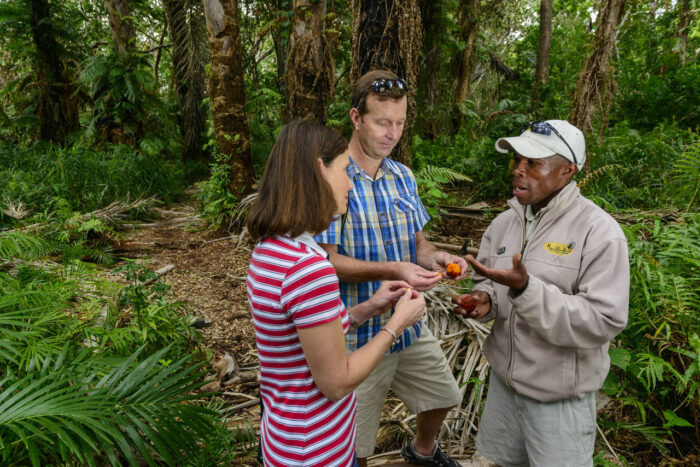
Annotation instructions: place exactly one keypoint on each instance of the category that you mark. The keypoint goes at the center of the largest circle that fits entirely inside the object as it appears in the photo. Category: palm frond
(83, 408)
(190, 54)
(20, 245)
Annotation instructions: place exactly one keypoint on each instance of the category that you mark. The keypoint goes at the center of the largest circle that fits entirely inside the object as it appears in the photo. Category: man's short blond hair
(364, 87)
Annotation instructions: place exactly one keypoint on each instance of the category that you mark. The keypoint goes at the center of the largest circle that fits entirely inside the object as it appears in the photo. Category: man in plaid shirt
(381, 238)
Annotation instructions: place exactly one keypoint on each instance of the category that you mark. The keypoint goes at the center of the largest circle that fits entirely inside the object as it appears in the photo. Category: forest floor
(209, 277)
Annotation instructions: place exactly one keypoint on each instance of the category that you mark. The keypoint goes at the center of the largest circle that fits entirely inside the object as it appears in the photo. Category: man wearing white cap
(553, 274)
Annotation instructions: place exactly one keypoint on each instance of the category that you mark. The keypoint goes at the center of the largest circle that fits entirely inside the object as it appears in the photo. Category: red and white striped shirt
(292, 285)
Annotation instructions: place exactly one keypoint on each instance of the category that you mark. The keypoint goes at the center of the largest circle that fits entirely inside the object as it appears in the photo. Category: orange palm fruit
(453, 270)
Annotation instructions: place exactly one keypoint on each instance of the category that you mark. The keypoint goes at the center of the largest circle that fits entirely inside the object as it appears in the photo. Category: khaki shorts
(516, 430)
(421, 378)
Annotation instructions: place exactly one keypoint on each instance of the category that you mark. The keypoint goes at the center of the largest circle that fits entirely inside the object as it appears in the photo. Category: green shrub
(217, 204)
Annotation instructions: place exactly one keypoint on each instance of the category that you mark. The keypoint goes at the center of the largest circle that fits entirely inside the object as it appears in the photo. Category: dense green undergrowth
(658, 169)
(96, 370)
(46, 178)
(655, 375)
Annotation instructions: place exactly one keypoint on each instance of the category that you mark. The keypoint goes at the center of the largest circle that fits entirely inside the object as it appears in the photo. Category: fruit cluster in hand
(468, 302)
(453, 270)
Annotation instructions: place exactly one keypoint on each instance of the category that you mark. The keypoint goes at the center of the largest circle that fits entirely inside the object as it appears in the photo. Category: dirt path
(209, 276)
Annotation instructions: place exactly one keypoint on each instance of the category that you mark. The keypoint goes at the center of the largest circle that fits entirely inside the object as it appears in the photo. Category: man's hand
(483, 304)
(441, 259)
(516, 277)
(417, 277)
(387, 296)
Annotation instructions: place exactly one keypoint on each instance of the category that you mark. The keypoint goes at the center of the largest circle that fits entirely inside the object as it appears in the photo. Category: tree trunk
(227, 92)
(542, 69)
(434, 27)
(57, 109)
(594, 86)
(386, 34)
(280, 37)
(310, 66)
(122, 24)
(188, 32)
(469, 16)
(684, 18)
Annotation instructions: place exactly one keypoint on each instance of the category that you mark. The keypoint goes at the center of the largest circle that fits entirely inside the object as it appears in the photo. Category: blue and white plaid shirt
(383, 218)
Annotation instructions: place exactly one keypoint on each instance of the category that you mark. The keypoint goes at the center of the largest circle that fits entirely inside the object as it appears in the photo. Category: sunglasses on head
(544, 128)
(380, 85)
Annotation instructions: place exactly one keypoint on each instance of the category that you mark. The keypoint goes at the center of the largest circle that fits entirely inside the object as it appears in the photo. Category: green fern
(687, 172)
(597, 173)
(442, 174)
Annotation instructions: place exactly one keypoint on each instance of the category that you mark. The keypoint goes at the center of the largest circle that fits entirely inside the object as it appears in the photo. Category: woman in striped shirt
(306, 376)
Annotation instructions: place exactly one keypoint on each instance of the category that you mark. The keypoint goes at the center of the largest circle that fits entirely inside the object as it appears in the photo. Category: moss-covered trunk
(594, 88)
(122, 24)
(310, 66)
(57, 109)
(434, 35)
(227, 92)
(469, 15)
(543, 47)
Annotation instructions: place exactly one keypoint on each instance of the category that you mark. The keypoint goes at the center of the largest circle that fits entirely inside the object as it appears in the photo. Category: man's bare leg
(427, 427)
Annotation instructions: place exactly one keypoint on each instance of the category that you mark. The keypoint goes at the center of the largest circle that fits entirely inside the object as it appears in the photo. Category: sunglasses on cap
(380, 85)
(544, 128)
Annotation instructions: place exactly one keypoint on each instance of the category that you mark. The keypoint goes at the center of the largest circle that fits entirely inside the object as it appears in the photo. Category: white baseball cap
(544, 139)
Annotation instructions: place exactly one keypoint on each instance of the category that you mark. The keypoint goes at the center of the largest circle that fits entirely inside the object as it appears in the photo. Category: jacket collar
(556, 207)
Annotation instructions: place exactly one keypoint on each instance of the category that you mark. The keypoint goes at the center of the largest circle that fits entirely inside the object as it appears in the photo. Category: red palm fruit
(468, 302)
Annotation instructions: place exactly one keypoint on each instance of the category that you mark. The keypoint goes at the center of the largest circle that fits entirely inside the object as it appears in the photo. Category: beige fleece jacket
(551, 341)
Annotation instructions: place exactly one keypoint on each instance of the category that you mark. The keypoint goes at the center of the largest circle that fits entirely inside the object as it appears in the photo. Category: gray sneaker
(412, 457)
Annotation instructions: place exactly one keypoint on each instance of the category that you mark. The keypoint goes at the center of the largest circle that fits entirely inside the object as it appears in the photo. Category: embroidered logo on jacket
(558, 249)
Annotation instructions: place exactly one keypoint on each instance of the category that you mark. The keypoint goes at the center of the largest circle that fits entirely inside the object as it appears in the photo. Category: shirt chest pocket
(404, 217)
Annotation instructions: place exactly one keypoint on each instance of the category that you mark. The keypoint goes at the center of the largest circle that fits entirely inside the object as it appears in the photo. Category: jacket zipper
(511, 330)
(523, 248)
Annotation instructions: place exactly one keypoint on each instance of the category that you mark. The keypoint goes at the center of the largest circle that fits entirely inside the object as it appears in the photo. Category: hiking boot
(411, 456)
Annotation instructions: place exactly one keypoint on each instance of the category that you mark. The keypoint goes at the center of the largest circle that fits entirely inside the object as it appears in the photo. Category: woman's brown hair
(294, 197)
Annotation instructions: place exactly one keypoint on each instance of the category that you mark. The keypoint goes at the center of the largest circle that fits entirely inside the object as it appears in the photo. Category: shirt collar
(307, 239)
(386, 166)
(530, 214)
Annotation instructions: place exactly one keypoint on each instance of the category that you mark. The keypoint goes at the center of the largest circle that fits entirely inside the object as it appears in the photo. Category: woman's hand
(386, 296)
(409, 310)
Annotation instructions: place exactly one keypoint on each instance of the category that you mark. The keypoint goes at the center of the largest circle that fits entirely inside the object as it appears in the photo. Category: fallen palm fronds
(14, 209)
(113, 214)
(238, 218)
(462, 341)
